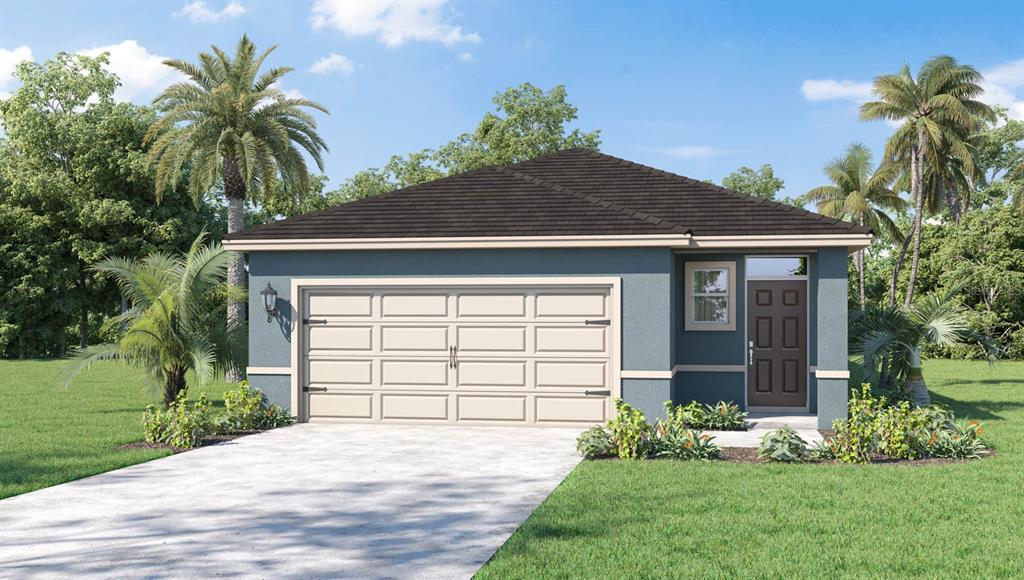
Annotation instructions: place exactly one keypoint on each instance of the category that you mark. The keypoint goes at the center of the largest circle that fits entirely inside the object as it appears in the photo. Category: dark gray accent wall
(710, 347)
(709, 387)
(645, 274)
(832, 346)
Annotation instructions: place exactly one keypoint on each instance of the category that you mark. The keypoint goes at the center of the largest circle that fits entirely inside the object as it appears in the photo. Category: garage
(466, 351)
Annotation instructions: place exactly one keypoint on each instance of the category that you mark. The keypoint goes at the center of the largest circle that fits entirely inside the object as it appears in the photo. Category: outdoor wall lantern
(270, 301)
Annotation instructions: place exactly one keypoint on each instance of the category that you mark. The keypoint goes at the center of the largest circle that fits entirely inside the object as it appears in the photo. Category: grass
(50, 434)
(676, 519)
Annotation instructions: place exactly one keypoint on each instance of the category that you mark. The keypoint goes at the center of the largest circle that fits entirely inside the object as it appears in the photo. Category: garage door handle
(602, 393)
(598, 322)
(315, 389)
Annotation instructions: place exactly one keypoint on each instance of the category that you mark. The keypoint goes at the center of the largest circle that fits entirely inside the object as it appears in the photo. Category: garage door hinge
(598, 322)
(314, 321)
(314, 389)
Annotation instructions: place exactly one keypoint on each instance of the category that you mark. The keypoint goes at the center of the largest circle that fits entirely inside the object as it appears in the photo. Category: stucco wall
(646, 294)
(832, 347)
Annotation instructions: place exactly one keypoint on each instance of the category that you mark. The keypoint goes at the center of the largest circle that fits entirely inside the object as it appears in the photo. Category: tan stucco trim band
(268, 370)
(832, 374)
(709, 369)
(678, 241)
(646, 374)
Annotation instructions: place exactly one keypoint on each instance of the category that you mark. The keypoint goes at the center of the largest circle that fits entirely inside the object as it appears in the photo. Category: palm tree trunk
(897, 268)
(917, 186)
(915, 379)
(234, 190)
(174, 386)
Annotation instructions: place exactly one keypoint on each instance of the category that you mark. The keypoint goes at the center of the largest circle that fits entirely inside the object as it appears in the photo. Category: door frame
(746, 330)
(299, 286)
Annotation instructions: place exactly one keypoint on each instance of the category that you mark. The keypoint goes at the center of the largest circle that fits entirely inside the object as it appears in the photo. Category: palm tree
(860, 194)
(889, 339)
(230, 124)
(174, 325)
(939, 111)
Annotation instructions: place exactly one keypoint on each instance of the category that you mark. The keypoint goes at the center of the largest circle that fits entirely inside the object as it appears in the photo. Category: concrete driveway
(311, 501)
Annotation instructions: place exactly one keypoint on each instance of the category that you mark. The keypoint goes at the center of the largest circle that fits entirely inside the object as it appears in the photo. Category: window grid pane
(710, 309)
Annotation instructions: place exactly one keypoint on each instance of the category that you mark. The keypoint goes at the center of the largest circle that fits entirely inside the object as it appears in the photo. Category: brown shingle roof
(572, 192)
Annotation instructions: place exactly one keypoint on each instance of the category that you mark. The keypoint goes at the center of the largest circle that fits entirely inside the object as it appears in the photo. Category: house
(537, 293)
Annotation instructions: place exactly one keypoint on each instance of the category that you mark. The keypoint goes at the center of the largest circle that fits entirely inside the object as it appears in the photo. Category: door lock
(750, 353)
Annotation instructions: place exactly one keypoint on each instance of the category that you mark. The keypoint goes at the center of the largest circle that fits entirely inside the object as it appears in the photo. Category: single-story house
(537, 293)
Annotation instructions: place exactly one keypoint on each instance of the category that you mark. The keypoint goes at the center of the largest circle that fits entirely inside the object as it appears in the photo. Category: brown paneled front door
(777, 343)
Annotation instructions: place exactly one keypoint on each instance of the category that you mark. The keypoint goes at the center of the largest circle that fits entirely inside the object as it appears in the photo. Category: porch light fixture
(270, 301)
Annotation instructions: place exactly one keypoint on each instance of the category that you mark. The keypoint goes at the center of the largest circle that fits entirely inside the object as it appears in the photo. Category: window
(710, 295)
(776, 267)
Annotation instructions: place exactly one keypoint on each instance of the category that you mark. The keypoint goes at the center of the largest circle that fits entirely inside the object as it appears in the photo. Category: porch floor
(761, 423)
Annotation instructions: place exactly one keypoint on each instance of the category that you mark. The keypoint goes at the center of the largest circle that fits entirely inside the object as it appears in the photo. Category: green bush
(181, 425)
(685, 444)
(721, 416)
(823, 450)
(783, 445)
(962, 441)
(596, 443)
(247, 409)
(630, 431)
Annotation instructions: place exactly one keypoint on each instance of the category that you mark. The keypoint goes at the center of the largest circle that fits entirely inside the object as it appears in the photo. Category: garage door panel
(492, 374)
(406, 373)
(341, 372)
(416, 305)
(341, 406)
(570, 409)
(491, 339)
(571, 339)
(340, 338)
(571, 305)
(404, 406)
(579, 374)
(414, 338)
(491, 305)
(523, 355)
(491, 408)
(340, 305)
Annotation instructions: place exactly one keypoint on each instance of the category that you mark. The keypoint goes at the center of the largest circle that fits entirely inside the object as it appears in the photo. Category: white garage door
(477, 353)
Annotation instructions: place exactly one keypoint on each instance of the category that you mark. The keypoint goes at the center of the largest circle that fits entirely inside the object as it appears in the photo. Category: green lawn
(50, 434)
(665, 519)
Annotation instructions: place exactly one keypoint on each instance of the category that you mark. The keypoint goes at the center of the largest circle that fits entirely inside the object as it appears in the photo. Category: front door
(777, 343)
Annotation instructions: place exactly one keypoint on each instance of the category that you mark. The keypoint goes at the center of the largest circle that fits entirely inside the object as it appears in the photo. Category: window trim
(689, 323)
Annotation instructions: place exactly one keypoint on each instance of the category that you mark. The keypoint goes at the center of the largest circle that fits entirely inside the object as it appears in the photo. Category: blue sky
(695, 88)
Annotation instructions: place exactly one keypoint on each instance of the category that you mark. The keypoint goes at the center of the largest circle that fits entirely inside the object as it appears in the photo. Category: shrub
(962, 441)
(595, 443)
(823, 450)
(247, 409)
(685, 444)
(783, 445)
(630, 431)
(719, 417)
(182, 425)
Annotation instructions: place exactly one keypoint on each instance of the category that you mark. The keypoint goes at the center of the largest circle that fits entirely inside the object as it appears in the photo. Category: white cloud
(690, 151)
(198, 11)
(831, 89)
(142, 73)
(393, 22)
(1004, 87)
(334, 63)
(467, 57)
(9, 59)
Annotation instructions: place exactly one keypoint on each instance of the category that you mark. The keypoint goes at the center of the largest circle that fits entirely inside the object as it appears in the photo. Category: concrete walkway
(309, 501)
(805, 425)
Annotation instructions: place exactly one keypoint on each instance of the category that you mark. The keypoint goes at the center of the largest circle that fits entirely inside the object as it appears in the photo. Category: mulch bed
(210, 440)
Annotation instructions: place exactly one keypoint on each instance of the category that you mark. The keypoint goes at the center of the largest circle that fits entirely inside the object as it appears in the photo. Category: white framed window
(710, 290)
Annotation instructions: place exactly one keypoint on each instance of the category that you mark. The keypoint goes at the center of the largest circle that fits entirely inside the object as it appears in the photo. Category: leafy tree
(1001, 162)
(762, 183)
(939, 111)
(890, 339)
(528, 122)
(231, 124)
(74, 188)
(860, 194)
(176, 324)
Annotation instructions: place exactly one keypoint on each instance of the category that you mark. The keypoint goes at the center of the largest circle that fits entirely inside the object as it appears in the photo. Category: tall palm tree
(860, 194)
(939, 111)
(173, 326)
(889, 339)
(229, 123)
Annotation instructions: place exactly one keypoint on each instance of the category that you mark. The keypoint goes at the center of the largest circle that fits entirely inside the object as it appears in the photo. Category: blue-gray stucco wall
(832, 347)
(646, 288)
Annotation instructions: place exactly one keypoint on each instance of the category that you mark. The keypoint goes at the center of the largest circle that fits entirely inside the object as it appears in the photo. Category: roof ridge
(731, 192)
(634, 213)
